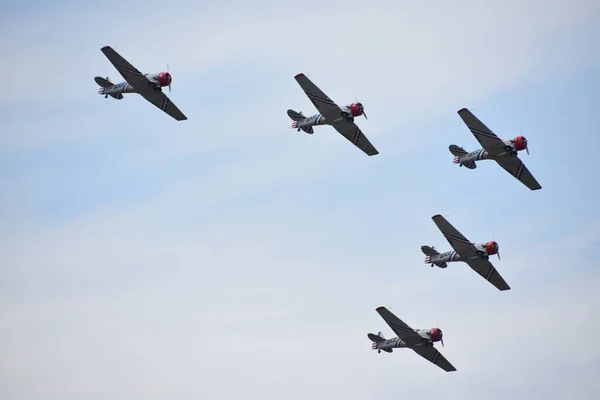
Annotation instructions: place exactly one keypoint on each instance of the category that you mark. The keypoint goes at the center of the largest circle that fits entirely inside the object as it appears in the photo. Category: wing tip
(437, 216)
(299, 75)
(463, 110)
(380, 308)
(106, 48)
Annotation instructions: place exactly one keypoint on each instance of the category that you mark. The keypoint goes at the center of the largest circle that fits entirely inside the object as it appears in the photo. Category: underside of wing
(128, 71)
(488, 272)
(514, 166)
(404, 332)
(321, 101)
(353, 133)
(160, 100)
(431, 354)
(458, 242)
(488, 140)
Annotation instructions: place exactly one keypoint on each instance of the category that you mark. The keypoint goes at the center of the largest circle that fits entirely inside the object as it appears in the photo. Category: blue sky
(228, 255)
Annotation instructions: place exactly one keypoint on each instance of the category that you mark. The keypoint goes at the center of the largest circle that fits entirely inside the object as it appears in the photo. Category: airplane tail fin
(429, 253)
(297, 117)
(458, 151)
(103, 82)
(376, 339)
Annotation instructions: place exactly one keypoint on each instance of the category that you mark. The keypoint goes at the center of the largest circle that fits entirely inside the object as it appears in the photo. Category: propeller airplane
(504, 152)
(342, 119)
(476, 255)
(419, 340)
(149, 86)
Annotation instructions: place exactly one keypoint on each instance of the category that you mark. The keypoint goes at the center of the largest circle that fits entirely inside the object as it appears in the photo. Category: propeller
(497, 252)
(442, 338)
(527, 145)
(171, 77)
(363, 107)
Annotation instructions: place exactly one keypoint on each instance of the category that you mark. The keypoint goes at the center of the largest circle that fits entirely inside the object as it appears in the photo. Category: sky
(229, 255)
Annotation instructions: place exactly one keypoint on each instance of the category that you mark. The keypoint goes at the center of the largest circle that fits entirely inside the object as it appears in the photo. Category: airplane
(476, 255)
(504, 152)
(149, 86)
(419, 340)
(342, 119)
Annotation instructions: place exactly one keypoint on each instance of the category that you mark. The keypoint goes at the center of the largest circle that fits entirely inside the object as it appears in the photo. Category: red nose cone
(164, 78)
(491, 247)
(356, 109)
(436, 334)
(520, 143)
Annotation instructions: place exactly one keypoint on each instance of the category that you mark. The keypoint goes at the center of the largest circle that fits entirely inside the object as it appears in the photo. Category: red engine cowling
(520, 143)
(435, 334)
(491, 248)
(356, 109)
(164, 79)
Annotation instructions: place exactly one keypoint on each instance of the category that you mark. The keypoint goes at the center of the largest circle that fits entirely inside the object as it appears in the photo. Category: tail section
(104, 84)
(376, 339)
(458, 152)
(298, 117)
(431, 255)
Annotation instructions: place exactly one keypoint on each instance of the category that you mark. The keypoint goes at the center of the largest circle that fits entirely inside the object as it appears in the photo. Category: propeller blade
(365, 114)
(498, 254)
(169, 87)
(527, 150)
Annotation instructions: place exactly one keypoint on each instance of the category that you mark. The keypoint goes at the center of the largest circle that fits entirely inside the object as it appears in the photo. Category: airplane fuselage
(428, 336)
(484, 250)
(156, 82)
(313, 120)
(119, 88)
(348, 113)
(511, 148)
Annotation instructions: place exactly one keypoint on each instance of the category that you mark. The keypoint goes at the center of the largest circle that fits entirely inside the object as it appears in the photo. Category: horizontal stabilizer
(376, 338)
(296, 116)
(429, 251)
(105, 83)
(457, 150)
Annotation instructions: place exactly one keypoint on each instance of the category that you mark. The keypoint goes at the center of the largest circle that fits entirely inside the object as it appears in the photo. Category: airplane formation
(475, 254)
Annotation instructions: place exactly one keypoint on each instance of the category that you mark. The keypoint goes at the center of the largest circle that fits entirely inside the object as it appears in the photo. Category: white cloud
(256, 269)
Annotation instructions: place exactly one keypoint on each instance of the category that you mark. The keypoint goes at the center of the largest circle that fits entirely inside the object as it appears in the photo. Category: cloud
(228, 255)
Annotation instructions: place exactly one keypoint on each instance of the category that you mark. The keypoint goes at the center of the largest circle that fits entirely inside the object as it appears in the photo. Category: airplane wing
(127, 71)
(488, 272)
(353, 133)
(160, 100)
(488, 139)
(433, 355)
(404, 332)
(139, 82)
(332, 114)
(459, 243)
(514, 166)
